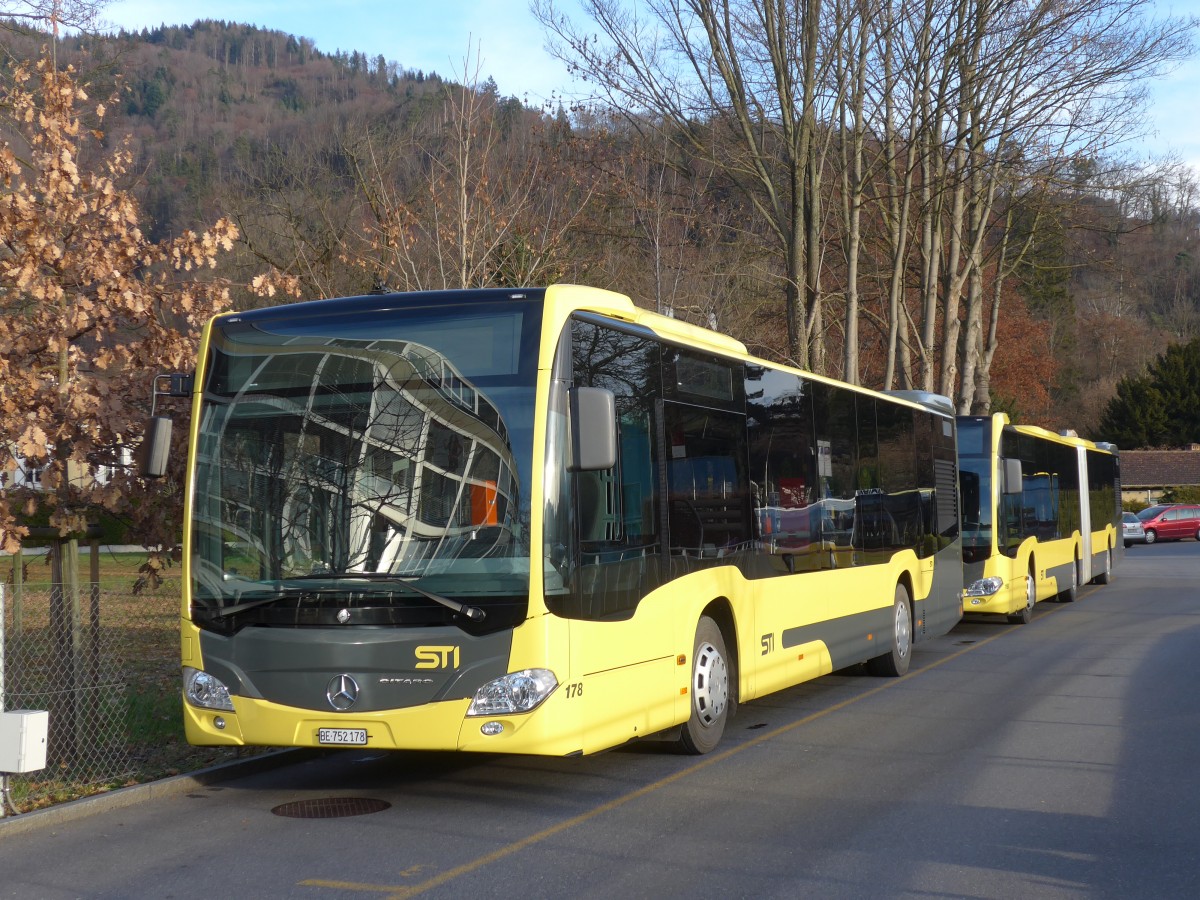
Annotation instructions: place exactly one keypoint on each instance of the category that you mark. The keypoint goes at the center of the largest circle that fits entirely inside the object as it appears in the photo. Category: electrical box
(23, 734)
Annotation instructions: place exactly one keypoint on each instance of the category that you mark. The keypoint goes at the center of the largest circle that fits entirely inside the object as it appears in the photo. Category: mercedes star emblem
(342, 692)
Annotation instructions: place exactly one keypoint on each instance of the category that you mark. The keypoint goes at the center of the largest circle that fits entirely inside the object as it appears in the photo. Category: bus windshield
(358, 454)
(975, 484)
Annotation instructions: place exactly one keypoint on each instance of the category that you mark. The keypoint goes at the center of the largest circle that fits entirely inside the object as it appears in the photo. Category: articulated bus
(540, 521)
(1041, 515)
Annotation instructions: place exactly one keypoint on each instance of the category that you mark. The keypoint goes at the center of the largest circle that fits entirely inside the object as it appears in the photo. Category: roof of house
(1160, 468)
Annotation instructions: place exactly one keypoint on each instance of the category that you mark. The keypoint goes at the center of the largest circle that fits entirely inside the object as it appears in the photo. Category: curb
(121, 798)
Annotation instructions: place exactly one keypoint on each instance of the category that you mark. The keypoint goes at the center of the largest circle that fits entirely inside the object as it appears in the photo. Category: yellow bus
(540, 521)
(1041, 515)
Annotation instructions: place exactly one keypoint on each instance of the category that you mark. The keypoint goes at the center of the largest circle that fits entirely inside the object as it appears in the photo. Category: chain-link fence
(60, 657)
(105, 664)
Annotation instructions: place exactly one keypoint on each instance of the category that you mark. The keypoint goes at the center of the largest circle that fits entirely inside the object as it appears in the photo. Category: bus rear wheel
(895, 662)
(714, 698)
(1069, 595)
(1105, 577)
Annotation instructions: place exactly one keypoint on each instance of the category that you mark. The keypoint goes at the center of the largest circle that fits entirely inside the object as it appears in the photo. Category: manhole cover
(330, 807)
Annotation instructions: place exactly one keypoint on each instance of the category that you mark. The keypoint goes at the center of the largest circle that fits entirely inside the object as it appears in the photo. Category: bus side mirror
(155, 452)
(156, 448)
(593, 429)
(1013, 483)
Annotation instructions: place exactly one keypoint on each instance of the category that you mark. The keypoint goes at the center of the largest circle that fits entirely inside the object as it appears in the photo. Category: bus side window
(783, 472)
(706, 482)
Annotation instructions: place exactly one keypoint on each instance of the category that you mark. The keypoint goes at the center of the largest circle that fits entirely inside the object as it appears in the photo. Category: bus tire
(1072, 592)
(1025, 616)
(713, 690)
(1105, 577)
(895, 662)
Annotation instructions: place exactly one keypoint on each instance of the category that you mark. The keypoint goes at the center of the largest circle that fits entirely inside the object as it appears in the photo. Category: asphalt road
(1055, 759)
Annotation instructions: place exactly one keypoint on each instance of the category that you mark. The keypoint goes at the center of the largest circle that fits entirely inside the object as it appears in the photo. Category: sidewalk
(152, 790)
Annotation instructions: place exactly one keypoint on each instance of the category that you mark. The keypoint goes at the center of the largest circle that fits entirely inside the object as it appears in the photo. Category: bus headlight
(518, 692)
(984, 587)
(205, 691)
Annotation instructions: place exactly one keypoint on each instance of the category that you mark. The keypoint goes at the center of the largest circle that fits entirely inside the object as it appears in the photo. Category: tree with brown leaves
(91, 311)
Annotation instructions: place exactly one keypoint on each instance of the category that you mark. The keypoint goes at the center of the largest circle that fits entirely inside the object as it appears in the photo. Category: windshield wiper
(355, 576)
(249, 604)
(474, 613)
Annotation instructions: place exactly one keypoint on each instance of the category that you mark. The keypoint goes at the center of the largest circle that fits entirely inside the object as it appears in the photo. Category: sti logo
(434, 657)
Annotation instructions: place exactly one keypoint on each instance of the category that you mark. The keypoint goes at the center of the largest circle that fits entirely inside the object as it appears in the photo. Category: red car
(1171, 523)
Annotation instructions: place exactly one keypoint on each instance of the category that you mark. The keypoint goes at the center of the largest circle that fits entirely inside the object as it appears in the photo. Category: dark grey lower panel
(1062, 575)
(846, 637)
(295, 666)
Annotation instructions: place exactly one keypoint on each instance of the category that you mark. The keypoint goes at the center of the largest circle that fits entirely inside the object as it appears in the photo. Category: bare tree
(474, 200)
(1056, 79)
(740, 83)
(298, 209)
(53, 14)
(851, 60)
(922, 97)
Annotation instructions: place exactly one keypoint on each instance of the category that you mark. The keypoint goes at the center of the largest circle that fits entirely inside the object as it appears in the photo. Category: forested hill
(197, 97)
(347, 172)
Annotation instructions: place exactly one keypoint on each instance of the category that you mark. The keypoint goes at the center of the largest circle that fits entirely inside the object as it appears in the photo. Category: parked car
(1131, 527)
(1171, 522)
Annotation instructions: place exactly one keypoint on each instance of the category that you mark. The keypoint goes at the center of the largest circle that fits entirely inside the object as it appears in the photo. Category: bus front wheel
(1025, 616)
(895, 661)
(713, 696)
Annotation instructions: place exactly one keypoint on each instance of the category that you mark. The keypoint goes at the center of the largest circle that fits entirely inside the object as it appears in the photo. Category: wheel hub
(710, 684)
(903, 631)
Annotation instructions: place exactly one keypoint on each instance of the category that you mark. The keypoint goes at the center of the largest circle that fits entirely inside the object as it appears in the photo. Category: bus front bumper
(433, 726)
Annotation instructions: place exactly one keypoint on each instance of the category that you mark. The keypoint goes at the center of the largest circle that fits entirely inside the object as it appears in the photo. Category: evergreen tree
(1161, 408)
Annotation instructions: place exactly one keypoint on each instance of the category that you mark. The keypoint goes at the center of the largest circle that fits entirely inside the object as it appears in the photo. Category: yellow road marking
(401, 892)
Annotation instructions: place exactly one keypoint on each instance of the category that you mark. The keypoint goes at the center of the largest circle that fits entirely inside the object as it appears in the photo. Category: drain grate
(330, 807)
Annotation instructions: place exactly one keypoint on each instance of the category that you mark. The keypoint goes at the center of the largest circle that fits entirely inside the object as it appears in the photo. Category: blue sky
(502, 35)
(431, 35)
